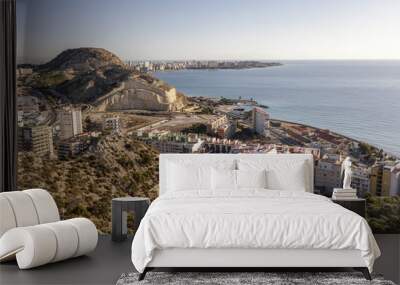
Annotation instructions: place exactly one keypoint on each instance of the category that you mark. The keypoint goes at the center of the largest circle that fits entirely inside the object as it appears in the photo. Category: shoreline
(254, 103)
(209, 69)
(226, 65)
(339, 135)
(362, 127)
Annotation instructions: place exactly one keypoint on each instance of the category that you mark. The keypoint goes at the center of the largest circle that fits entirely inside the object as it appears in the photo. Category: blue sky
(212, 29)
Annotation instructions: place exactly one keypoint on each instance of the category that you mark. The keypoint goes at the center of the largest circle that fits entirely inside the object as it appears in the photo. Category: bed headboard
(204, 159)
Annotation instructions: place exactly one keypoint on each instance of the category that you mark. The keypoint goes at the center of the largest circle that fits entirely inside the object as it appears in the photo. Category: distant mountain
(91, 75)
(82, 60)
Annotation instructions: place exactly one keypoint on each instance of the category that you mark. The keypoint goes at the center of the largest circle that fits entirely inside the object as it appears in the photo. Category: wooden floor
(103, 266)
(110, 259)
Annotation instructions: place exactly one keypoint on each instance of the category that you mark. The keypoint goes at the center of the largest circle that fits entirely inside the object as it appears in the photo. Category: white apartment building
(360, 179)
(215, 123)
(70, 123)
(328, 175)
(395, 180)
(20, 118)
(238, 113)
(113, 124)
(259, 118)
(164, 146)
(167, 142)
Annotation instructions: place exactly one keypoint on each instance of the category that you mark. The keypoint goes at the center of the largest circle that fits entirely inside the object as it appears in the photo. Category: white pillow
(251, 178)
(288, 174)
(223, 179)
(185, 178)
(185, 174)
(292, 179)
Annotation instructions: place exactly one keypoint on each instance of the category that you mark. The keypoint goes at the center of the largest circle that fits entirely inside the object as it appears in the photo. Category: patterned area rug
(273, 278)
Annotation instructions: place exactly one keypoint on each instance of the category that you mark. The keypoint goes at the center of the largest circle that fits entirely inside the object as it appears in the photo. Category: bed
(247, 210)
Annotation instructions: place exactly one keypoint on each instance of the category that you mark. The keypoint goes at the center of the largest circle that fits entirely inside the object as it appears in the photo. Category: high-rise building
(37, 139)
(385, 179)
(20, 118)
(113, 124)
(376, 179)
(214, 123)
(360, 179)
(221, 127)
(259, 118)
(328, 174)
(70, 123)
(72, 147)
(395, 180)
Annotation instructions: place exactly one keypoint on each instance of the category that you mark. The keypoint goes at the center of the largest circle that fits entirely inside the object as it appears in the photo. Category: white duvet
(250, 219)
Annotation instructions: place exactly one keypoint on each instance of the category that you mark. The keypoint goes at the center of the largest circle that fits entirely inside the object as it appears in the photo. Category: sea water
(359, 99)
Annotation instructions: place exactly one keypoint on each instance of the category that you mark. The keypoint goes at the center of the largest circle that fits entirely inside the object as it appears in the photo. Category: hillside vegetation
(383, 214)
(84, 186)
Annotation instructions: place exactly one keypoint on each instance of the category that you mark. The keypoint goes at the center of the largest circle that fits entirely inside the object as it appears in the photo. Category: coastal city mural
(91, 123)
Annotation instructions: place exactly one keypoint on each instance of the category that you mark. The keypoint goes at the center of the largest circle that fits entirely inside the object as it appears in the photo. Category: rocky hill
(84, 186)
(82, 59)
(91, 75)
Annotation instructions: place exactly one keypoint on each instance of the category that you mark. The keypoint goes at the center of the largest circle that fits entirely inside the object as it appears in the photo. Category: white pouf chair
(31, 230)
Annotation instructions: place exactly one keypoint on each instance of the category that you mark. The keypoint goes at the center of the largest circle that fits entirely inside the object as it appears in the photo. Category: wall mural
(92, 121)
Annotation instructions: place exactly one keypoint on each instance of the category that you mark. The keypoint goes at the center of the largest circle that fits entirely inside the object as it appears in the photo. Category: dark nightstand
(356, 205)
(120, 207)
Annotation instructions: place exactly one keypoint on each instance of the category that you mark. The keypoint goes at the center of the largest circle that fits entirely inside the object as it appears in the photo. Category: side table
(356, 205)
(120, 208)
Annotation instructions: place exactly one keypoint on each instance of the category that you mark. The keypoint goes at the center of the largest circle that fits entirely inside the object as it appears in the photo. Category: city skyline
(210, 30)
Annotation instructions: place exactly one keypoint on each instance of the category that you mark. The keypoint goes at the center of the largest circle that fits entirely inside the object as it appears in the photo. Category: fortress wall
(134, 94)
